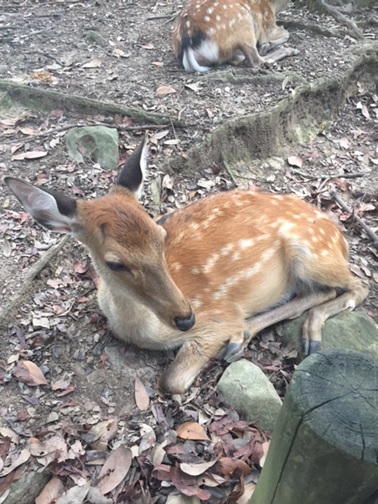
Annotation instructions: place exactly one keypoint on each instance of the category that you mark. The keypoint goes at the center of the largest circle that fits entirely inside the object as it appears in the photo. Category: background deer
(212, 32)
(225, 258)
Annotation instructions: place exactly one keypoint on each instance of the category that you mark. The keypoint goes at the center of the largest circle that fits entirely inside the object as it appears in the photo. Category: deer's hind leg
(269, 43)
(289, 310)
(355, 292)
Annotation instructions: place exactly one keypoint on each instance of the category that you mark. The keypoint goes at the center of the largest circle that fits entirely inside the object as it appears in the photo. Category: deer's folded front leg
(208, 341)
(189, 362)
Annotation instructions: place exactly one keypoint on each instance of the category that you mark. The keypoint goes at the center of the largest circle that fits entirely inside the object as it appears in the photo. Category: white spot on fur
(267, 254)
(207, 19)
(217, 17)
(243, 244)
(210, 32)
(211, 262)
(286, 227)
(240, 276)
(188, 24)
(196, 303)
(226, 249)
(210, 10)
(195, 271)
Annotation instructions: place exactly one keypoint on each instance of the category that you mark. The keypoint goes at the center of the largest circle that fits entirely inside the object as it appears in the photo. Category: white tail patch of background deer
(203, 277)
(212, 32)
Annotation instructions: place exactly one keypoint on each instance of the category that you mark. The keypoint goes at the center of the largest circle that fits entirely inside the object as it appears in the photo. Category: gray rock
(98, 143)
(246, 388)
(351, 330)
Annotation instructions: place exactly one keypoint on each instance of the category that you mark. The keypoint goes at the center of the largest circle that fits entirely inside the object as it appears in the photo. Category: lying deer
(213, 32)
(225, 258)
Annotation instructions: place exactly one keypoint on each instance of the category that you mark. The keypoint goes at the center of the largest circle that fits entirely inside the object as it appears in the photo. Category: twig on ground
(324, 177)
(365, 227)
(30, 275)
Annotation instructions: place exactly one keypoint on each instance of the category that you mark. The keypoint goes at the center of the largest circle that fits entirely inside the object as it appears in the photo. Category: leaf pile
(212, 455)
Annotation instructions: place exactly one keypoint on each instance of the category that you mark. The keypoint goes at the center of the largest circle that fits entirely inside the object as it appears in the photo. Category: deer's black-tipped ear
(133, 172)
(51, 209)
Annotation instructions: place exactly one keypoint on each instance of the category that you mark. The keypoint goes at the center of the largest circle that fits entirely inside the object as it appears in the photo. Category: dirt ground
(120, 51)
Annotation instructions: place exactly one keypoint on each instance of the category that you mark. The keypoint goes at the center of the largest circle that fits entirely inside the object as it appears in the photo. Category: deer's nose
(184, 324)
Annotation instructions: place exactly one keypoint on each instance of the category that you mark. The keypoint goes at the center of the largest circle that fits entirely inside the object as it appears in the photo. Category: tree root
(37, 99)
(298, 24)
(352, 28)
(255, 76)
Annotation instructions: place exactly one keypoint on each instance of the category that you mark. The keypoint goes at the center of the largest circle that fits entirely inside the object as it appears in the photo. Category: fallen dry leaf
(115, 469)
(165, 90)
(248, 491)
(95, 63)
(53, 448)
(196, 469)
(29, 155)
(265, 447)
(141, 396)
(21, 459)
(9, 433)
(29, 131)
(344, 143)
(183, 482)
(29, 373)
(226, 466)
(100, 434)
(75, 495)
(194, 87)
(51, 492)
(295, 161)
(192, 430)
(118, 53)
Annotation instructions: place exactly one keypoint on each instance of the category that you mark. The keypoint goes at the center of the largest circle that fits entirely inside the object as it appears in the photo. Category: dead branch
(30, 275)
(325, 177)
(365, 227)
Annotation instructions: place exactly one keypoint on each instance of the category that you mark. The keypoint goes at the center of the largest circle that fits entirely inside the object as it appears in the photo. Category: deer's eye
(117, 266)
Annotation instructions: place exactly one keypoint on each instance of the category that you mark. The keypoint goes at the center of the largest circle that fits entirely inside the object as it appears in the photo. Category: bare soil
(120, 51)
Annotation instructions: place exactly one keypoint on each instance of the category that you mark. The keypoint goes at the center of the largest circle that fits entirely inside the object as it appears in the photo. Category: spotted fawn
(205, 278)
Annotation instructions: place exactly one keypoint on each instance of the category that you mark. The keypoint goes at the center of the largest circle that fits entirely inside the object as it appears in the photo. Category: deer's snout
(184, 324)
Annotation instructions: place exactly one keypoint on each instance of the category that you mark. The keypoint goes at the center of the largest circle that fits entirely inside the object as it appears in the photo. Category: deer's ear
(51, 209)
(133, 172)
